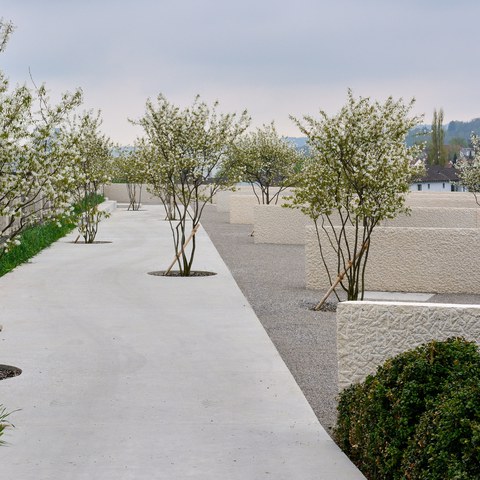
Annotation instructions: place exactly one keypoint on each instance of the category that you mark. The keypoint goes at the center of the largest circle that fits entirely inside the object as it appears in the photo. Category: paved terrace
(132, 376)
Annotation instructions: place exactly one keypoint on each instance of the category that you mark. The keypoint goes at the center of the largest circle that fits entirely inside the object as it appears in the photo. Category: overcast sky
(273, 58)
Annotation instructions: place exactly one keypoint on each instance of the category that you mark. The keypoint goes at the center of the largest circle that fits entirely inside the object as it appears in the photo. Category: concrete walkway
(132, 376)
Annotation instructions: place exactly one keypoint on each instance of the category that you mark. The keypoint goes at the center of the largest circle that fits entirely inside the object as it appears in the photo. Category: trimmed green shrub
(378, 419)
(446, 444)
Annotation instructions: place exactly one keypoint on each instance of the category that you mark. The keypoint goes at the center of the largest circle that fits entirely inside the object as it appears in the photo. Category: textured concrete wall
(447, 199)
(241, 208)
(119, 193)
(439, 217)
(437, 260)
(279, 225)
(368, 333)
(274, 224)
(222, 199)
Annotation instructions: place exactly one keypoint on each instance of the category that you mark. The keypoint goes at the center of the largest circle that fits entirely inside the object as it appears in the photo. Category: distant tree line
(455, 131)
(443, 143)
(454, 136)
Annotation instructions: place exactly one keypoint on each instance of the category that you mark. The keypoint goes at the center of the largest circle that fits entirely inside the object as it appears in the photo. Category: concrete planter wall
(274, 224)
(438, 217)
(447, 199)
(222, 199)
(368, 333)
(437, 260)
(119, 193)
(279, 225)
(241, 208)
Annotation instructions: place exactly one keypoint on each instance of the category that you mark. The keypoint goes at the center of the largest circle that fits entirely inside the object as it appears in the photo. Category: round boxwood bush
(446, 444)
(380, 421)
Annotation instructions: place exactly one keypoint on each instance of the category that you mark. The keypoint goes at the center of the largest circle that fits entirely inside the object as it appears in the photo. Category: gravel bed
(272, 277)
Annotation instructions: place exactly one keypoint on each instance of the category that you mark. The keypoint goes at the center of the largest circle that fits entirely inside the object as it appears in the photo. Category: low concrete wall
(443, 199)
(368, 333)
(222, 199)
(119, 192)
(241, 208)
(279, 225)
(274, 224)
(438, 217)
(436, 260)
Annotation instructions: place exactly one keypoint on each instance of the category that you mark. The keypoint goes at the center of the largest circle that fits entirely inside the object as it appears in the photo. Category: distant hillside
(463, 130)
(455, 129)
(300, 142)
(418, 134)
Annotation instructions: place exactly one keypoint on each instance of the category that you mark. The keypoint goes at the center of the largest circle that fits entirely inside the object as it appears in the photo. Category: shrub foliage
(418, 417)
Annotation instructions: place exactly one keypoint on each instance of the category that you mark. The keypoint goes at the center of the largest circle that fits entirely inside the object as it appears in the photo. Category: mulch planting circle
(176, 273)
(326, 307)
(96, 242)
(7, 371)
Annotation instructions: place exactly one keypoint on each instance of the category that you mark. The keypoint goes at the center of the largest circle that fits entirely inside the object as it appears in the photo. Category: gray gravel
(272, 277)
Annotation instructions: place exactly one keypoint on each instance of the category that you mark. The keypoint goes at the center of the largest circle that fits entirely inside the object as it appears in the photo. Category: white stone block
(435, 260)
(119, 192)
(241, 208)
(279, 225)
(368, 333)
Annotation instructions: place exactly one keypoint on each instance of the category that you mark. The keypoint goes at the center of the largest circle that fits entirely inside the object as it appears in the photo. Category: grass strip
(37, 237)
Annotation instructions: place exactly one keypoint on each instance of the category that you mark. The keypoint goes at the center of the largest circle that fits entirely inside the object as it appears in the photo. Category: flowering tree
(468, 170)
(130, 166)
(34, 155)
(184, 148)
(92, 168)
(359, 171)
(266, 160)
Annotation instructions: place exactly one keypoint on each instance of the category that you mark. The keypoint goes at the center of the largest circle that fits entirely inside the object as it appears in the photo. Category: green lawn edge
(36, 238)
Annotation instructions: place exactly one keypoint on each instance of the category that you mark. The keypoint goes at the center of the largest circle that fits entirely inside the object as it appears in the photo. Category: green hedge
(418, 417)
(35, 238)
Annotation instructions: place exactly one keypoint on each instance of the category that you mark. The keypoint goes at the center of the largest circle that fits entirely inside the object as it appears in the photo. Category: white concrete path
(132, 376)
